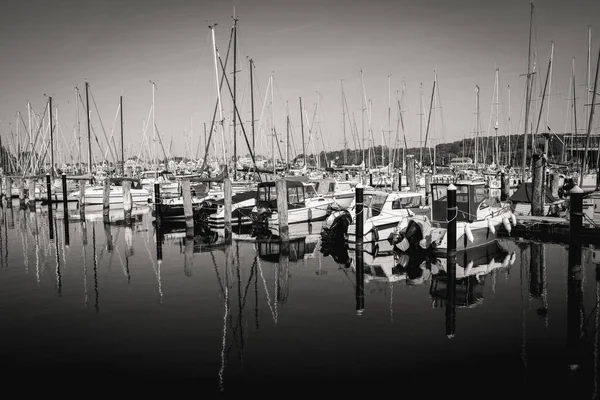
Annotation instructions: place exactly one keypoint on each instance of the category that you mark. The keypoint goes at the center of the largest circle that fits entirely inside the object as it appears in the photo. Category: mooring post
(106, 201)
(371, 179)
(451, 262)
(282, 209)
(537, 205)
(576, 214)
(9, 192)
(400, 181)
(504, 187)
(21, 193)
(64, 194)
(411, 179)
(228, 194)
(31, 194)
(157, 201)
(82, 199)
(360, 267)
(554, 183)
(188, 212)
(50, 219)
(427, 189)
(127, 201)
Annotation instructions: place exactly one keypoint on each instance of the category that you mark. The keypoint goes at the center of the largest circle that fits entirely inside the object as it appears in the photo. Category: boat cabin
(326, 187)
(297, 193)
(469, 195)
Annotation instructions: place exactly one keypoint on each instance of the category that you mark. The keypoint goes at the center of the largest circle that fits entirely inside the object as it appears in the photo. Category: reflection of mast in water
(159, 260)
(224, 338)
(255, 271)
(23, 232)
(273, 313)
(596, 333)
(95, 266)
(57, 261)
(85, 242)
(128, 250)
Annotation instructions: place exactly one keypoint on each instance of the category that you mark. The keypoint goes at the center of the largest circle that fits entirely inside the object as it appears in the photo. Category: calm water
(104, 314)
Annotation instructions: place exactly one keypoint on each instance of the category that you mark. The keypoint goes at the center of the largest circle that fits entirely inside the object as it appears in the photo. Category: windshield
(309, 191)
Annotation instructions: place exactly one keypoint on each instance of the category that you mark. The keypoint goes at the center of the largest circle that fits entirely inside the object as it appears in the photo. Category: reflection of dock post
(451, 263)
(537, 197)
(188, 260)
(228, 195)
(576, 214)
(127, 201)
(8, 192)
(504, 187)
(411, 179)
(50, 219)
(106, 201)
(574, 304)
(188, 212)
(82, 199)
(282, 210)
(360, 267)
(31, 195)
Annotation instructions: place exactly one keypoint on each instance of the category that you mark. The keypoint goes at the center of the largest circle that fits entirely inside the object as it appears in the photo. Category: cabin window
(439, 193)
(295, 195)
(462, 194)
(344, 186)
(332, 187)
(406, 202)
(272, 193)
(480, 194)
(309, 191)
(267, 193)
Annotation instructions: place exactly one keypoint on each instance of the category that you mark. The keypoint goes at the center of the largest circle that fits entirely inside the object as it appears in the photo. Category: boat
(95, 194)
(172, 208)
(478, 219)
(342, 192)
(241, 207)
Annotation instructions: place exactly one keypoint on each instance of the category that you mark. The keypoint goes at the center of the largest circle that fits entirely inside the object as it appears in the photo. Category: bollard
(282, 210)
(228, 195)
(537, 197)
(127, 201)
(82, 199)
(188, 211)
(576, 214)
(21, 193)
(504, 187)
(50, 219)
(9, 192)
(360, 271)
(106, 201)
(31, 195)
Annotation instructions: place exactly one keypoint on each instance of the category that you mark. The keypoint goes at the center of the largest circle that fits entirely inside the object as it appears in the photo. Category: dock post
(359, 257)
(31, 195)
(127, 201)
(50, 219)
(537, 198)
(82, 199)
(64, 194)
(428, 189)
(554, 183)
(411, 179)
(157, 201)
(504, 187)
(400, 181)
(371, 179)
(9, 192)
(576, 214)
(282, 210)
(188, 212)
(106, 201)
(228, 194)
(451, 262)
(22, 193)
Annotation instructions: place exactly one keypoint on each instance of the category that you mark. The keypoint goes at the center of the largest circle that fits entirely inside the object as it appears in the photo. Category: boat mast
(87, 106)
(287, 137)
(476, 125)
(252, 104)
(527, 100)
(122, 142)
(219, 104)
(345, 152)
(154, 158)
(234, 94)
(421, 124)
(508, 160)
(497, 89)
(302, 129)
(590, 120)
(574, 110)
(274, 137)
(390, 149)
(51, 136)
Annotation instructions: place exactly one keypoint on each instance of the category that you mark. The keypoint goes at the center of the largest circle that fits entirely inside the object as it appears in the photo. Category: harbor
(243, 199)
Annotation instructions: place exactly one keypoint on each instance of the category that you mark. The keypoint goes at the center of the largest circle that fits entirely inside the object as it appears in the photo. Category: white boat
(95, 194)
(342, 192)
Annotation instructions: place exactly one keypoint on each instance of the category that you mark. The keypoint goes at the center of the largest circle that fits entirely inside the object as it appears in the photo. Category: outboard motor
(260, 218)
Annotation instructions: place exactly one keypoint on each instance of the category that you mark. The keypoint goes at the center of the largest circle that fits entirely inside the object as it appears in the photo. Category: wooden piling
(411, 178)
(21, 193)
(504, 187)
(282, 209)
(576, 214)
(359, 257)
(31, 194)
(106, 201)
(64, 194)
(228, 194)
(537, 198)
(451, 261)
(554, 183)
(8, 192)
(50, 218)
(371, 179)
(188, 211)
(82, 199)
(400, 181)
(428, 189)
(157, 201)
(127, 201)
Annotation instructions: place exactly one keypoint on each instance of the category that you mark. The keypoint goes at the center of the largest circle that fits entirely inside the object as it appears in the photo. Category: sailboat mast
(508, 156)
(421, 124)
(527, 100)
(219, 104)
(51, 136)
(390, 148)
(154, 159)
(476, 125)
(590, 121)
(252, 105)
(345, 152)
(87, 106)
(302, 130)
(363, 108)
(234, 94)
(274, 137)
(574, 109)
(496, 144)
(122, 141)
(287, 136)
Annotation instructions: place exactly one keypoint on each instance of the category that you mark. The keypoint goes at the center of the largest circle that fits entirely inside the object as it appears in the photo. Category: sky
(310, 48)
